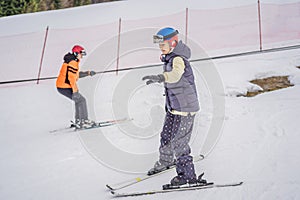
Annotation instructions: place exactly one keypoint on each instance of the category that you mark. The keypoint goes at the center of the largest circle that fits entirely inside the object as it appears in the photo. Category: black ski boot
(182, 182)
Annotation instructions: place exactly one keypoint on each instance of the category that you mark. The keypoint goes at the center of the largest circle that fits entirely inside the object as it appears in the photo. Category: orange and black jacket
(69, 73)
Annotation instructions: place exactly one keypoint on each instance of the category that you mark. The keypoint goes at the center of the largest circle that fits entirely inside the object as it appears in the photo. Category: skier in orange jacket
(66, 84)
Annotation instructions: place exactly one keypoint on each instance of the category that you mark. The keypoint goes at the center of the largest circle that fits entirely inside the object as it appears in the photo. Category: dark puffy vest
(182, 95)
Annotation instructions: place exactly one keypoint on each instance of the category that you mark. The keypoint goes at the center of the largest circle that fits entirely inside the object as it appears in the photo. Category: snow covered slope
(258, 142)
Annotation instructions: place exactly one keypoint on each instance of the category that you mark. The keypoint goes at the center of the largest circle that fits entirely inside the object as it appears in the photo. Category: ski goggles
(158, 39)
(83, 52)
(161, 38)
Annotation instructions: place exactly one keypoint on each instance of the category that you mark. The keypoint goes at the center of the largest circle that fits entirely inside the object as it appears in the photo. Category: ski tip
(109, 187)
(236, 184)
(201, 156)
(201, 175)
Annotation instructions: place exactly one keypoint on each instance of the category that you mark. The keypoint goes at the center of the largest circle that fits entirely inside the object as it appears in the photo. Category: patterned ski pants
(175, 138)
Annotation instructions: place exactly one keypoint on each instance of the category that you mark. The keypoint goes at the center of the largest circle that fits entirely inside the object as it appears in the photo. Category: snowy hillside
(254, 140)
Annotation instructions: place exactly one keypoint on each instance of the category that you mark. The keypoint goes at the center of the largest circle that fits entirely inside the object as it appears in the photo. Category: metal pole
(42, 57)
(186, 24)
(259, 24)
(118, 50)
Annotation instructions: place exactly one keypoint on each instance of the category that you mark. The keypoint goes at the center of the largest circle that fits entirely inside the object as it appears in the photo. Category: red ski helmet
(77, 49)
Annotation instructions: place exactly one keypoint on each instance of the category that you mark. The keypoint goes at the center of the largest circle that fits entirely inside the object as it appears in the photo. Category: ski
(99, 125)
(127, 183)
(180, 189)
(65, 129)
(105, 123)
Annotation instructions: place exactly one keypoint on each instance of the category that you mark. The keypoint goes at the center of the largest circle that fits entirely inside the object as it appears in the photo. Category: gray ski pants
(81, 112)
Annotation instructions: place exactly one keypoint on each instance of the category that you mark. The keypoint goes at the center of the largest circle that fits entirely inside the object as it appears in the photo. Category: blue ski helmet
(169, 34)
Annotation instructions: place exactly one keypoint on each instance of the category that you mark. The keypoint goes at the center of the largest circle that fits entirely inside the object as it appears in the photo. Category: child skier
(181, 107)
(66, 85)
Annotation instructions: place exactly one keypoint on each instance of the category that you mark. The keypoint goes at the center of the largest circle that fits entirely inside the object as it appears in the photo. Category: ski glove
(154, 79)
(92, 73)
(86, 73)
(76, 96)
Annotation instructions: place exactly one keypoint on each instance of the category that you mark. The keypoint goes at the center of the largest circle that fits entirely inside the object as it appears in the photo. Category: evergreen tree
(57, 4)
(14, 7)
(42, 5)
(10, 7)
(81, 2)
(54, 4)
(31, 6)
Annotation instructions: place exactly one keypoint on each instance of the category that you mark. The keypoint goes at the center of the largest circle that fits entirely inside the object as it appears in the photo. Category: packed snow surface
(258, 142)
